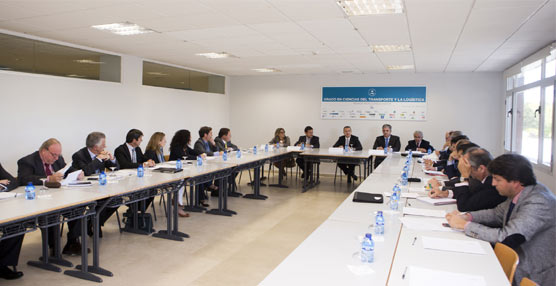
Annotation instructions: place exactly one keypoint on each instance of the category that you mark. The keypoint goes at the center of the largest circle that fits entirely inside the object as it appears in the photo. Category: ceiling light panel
(391, 48)
(123, 29)
(371, 7)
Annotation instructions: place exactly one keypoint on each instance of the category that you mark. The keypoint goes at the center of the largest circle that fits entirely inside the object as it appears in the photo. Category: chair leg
(163, 201)
(269, 168)
(119, 223)
(239, 179)
(335, 173)
(154, 211)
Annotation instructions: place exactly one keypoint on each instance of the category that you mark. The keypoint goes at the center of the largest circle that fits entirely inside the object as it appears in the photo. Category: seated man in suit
(387, 140)
(224, 141)
(353, 143)
(525, 221)
(46, 163)
(129, 154)
(310, 141)
(205, 145)
(475, 192)
(10, 247)
(93, 159)
(418, 144)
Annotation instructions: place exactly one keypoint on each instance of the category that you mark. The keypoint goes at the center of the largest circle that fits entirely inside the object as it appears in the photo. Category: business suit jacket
(150, 154)
(31, 169)
(82, 161)
(179, 153)
(475, 195)
(394, 142)
(530, 231)
(4, 175)
(452, 171)
(353, 142)
(221, 147)
(412, 145)
(124, 157)
(199, 147)
(286, 142)
(314, 141)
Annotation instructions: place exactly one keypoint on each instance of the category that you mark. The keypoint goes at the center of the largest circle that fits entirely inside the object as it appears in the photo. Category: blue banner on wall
(374, 103)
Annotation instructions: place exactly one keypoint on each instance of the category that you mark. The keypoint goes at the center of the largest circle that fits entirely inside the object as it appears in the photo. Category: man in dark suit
(353, 143)
(418, 144)
(310, 141)
(94, 159)
(387, 140)
(9, 247)
(224, 140)
(129, 154)
(476, 192)
(46, 163)
(205, 144)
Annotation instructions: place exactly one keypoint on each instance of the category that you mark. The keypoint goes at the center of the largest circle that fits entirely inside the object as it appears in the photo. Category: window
(530, 111)
(32, 56)
(179, 78)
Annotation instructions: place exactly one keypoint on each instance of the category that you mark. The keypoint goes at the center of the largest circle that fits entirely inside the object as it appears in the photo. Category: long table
(329, 256)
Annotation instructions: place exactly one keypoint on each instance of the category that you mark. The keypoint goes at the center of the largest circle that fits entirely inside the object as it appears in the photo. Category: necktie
(510, 209)
(386, 142)
(207, 148)
(225, 146)
(133, 156)
(47, 170)
(347, 142)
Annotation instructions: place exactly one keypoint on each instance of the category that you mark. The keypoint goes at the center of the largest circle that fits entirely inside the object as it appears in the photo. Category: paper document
(209, 158)
(434, 173)
(63, 170)
(424, 212)
(72, 177)
(333, 150)
(293, 148)
(419, 276)
(437, 202)
(418, 190)
(6, 195)
(455, 245)
(425, 223)
(373, 152)
(404, 195)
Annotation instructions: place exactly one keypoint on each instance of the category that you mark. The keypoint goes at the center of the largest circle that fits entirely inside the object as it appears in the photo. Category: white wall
(36, 107)
(471, 102)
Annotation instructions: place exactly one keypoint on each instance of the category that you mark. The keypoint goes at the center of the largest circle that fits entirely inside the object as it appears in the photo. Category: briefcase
(360, 197)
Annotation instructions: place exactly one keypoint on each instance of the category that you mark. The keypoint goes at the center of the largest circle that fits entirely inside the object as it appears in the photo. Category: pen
(414, 239)
(403, 275)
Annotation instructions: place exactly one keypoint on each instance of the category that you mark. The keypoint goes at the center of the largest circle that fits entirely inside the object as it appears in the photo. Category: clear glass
(519, 80)
(548, 117)
(528, 122)
(532, 72)
(510, 83)
(509, 119)
(550, 66)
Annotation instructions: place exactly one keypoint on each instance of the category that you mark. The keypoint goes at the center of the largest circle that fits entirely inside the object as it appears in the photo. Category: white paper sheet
(72, 177)
(6, 195)
(293, 148)
(437, 202)
(419, 276)
(404, 195)
(418, 190)
(424, 212)
(373, 152)
(425, 223)
(454, 245)
(438, 173)
(63, 170)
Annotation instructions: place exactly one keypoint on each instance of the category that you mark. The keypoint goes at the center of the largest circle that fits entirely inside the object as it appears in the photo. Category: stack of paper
(425, 223)
(454, 245)
(437, 202)
(424, 212)
(419, 276)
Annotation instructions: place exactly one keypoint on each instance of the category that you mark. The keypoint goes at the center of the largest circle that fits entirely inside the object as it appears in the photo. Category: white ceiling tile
(304, 10)
(398, 58)
(382, 29)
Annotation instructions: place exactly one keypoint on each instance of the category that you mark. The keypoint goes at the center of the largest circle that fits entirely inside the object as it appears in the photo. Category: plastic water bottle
(30, 191)
(386, 151)
(140, 171)
(225, 156)
(394, 198)
(277, 145)
(255, 149)
(199, 161)
(404, 178)
(266, 148)
(379, 223)
(179, 164)
(302, 146)
(429, 151)
(368, 249)
(346, 148)
(102, 178)
(238, 154)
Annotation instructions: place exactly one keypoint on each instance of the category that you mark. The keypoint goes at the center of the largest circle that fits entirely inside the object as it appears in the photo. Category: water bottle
(102, 178)
(140, 171)
(429, 151)
(199, 161)
(225, 156)
(302, 146)
(368, 249)
(266, 148)
(404, 178)
(346, 148)
(394, 198)
(379, 223)
(386, 151)
(179, 164)
(238, 154)
(255, 149)
(277, 145)
(30, 191)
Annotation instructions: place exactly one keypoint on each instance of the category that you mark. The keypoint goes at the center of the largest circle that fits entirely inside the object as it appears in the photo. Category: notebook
(360, 197)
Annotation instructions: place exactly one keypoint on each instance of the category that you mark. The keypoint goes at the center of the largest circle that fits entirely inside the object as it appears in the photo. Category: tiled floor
(238, 250)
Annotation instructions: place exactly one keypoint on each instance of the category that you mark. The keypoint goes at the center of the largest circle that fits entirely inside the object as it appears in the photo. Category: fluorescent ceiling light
(371, 7)
(83, 61)
(157, 73)
(400, 67)
(266, 70)
(221, 55)
(391, 48)
(123, 29)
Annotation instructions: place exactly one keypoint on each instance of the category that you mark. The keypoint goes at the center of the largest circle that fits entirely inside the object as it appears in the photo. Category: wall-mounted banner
(374, 103)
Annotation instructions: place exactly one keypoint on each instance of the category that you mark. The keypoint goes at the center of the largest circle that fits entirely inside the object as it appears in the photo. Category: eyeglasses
(54, 155)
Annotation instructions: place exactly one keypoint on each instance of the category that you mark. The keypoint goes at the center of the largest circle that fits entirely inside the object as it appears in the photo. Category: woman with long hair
(155, 148)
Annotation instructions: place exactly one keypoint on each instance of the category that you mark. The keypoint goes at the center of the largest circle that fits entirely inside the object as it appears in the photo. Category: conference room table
(330, 255)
